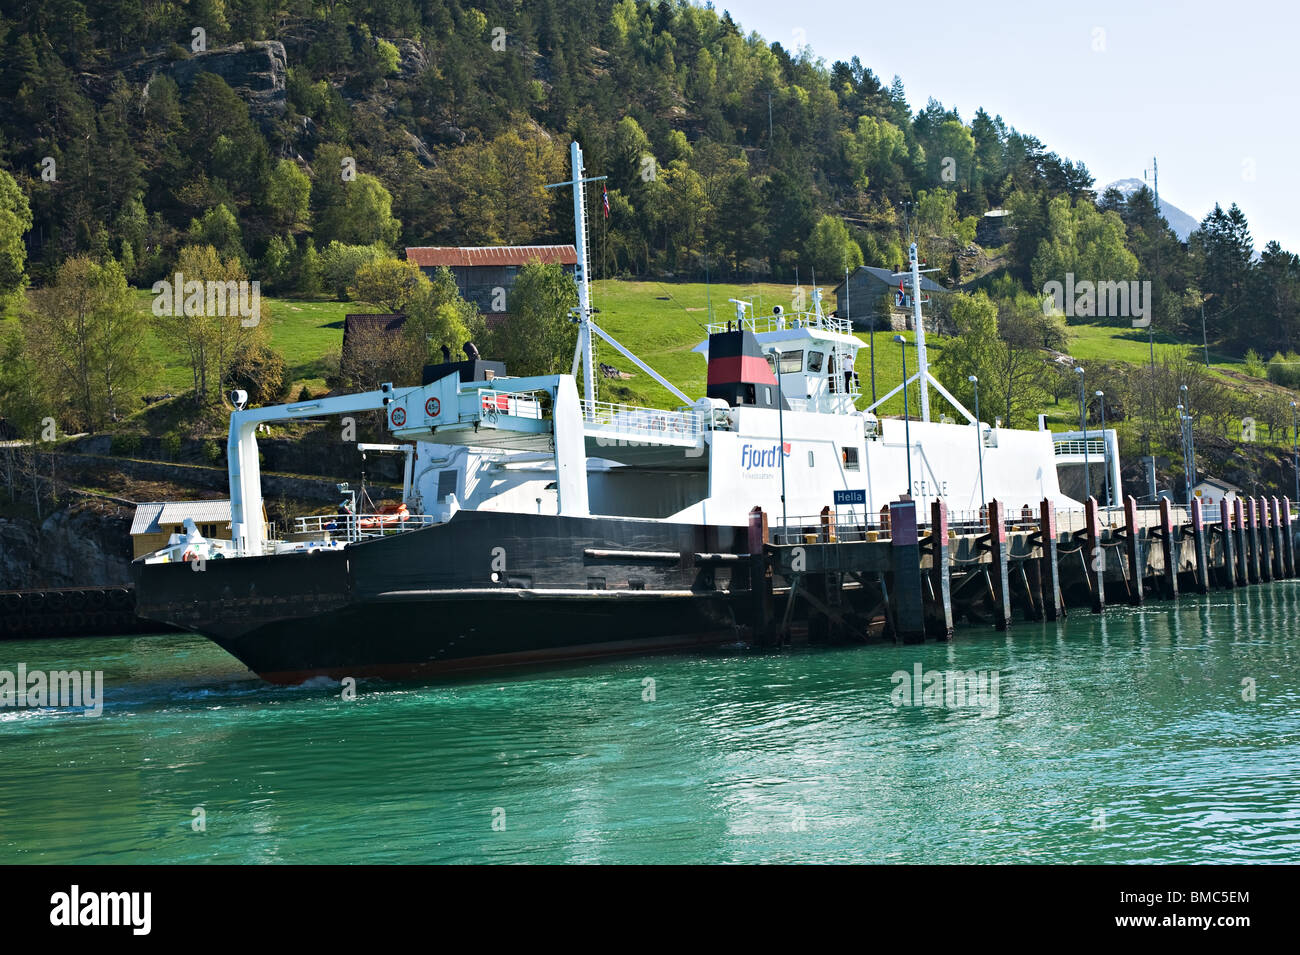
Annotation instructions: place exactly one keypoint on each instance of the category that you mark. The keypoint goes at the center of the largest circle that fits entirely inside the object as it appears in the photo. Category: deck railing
(781, 323)
(1096, 448)
(354, 527)
(647, 423)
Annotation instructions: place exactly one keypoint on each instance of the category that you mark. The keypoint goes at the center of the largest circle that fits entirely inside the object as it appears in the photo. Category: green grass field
(660, 322)
(303, 330)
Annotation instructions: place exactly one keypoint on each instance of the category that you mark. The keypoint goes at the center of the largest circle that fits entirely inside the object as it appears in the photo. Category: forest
(297, 142)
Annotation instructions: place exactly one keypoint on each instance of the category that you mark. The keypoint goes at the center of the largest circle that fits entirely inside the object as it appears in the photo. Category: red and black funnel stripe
(735, 357)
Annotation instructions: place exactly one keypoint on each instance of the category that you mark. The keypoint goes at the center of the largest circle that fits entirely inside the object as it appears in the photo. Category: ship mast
(922, 375)
(922, 363)
(586, 327)
(583, 352)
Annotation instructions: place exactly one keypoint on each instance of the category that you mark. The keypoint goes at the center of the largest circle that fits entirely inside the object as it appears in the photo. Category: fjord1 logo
(762, 456)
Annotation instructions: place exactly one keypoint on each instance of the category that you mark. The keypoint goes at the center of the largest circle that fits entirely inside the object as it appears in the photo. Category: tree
(539, 338)
(829, 248)
(15, 221)
(976, 350)
(339, 264)
(389, 283)
(83, 332)
(220, 229)
(214, 344)
(363, 214)
(288, 194)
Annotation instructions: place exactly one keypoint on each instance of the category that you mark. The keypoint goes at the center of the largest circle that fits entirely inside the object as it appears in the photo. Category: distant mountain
(1182, 224)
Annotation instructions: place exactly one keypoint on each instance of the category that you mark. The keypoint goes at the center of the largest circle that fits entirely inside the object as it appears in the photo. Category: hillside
(298, 147)
(1182, 224)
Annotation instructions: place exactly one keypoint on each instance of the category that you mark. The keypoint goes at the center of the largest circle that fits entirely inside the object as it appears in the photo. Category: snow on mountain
(1182, 224)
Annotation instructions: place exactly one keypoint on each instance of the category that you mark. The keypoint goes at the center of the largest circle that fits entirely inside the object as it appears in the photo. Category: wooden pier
(906, 576)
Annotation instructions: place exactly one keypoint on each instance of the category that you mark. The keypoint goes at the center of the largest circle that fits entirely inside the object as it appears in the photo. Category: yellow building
(156, 521)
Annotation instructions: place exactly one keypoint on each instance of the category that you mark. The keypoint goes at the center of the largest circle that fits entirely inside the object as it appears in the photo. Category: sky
(1207, 88)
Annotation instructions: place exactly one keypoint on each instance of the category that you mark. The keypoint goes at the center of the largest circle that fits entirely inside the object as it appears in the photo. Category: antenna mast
(581, 273)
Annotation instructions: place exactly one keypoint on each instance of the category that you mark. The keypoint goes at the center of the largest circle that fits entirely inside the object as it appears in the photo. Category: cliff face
(84, 544)
(257, 70)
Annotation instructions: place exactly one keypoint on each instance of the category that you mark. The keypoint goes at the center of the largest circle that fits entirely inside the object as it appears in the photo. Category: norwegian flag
(604, 202)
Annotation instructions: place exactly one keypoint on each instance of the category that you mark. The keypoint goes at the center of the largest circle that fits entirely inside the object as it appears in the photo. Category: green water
(1116, 739)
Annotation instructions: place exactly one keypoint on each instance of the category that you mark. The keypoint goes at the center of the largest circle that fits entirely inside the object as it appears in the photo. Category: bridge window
(791, 362)
(810, 459)
(814, 361)
(850, 459)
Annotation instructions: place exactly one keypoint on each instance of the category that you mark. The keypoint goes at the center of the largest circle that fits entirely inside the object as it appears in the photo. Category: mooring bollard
(1049, 571)
(1131, 550)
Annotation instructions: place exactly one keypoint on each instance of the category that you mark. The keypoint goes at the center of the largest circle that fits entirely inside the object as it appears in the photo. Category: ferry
(539, 523)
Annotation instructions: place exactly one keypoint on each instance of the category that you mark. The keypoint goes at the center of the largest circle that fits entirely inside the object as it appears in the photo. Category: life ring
(399, 417)
(677, 425)
(190, 554)
(658, 424)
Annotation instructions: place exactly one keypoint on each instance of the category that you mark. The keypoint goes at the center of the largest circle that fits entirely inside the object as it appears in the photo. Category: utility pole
(1151, 340)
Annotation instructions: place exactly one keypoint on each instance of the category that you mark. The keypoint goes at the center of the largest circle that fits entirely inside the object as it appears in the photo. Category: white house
(1213, 490)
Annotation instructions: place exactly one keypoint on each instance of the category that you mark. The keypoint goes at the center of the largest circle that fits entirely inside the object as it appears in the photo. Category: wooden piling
(1229, 576)
(940, 617)
(1049, 571)
(1239, 528)
(1198, 540)
(1094, 558)
(1278, 546)
(1167, 548)
(1252, 540)
(1265, 532)
(1131, 551)
(905, 554)
(1287, 539)
(760, 581)
(998, 570)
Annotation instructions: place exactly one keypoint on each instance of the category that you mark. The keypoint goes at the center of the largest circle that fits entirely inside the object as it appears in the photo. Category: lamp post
(1182, 442)
(780, 421)
(1105, 448)
(907, 426)
(1189, 448)
(1083, 426)
(979, 438)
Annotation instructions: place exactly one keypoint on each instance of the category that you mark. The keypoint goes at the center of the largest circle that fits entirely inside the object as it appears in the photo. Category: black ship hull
(483, 590)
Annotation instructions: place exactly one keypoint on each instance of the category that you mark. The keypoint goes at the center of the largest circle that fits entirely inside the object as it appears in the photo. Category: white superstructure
(534, 445)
